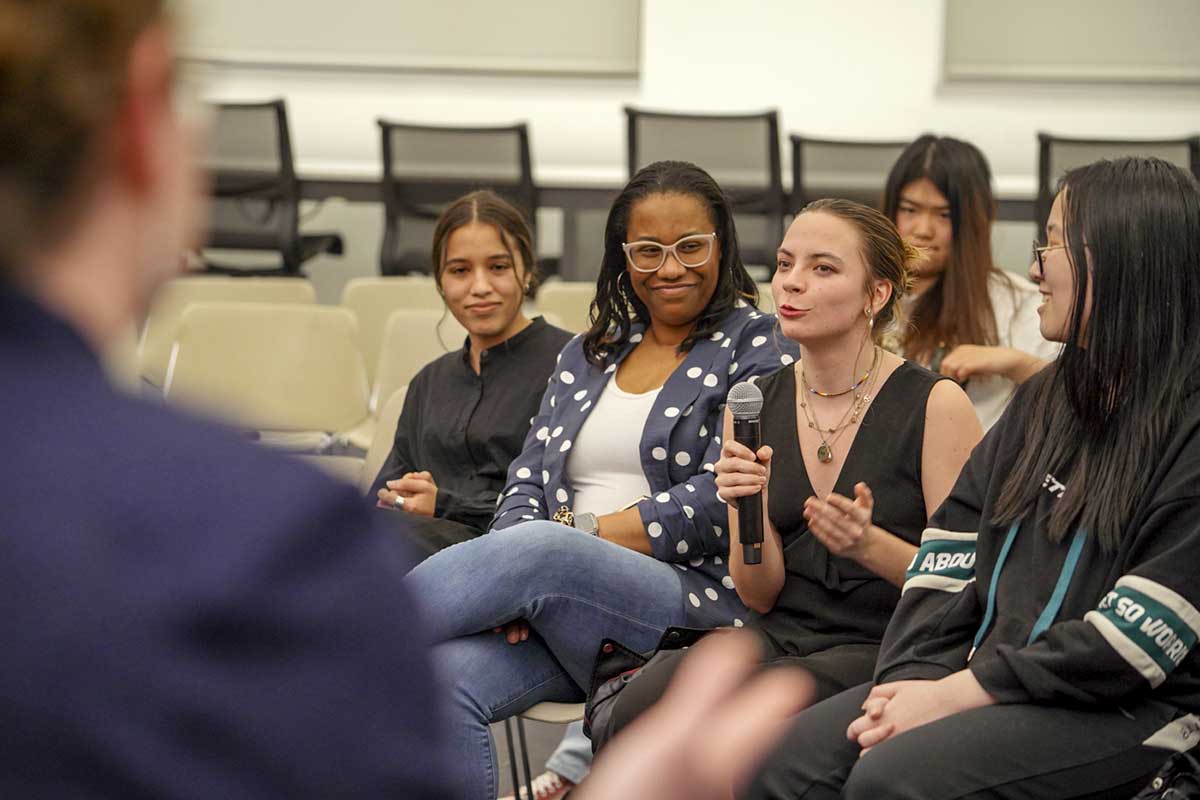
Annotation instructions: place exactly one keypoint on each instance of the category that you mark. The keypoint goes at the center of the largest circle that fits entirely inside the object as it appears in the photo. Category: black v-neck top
(827, 600)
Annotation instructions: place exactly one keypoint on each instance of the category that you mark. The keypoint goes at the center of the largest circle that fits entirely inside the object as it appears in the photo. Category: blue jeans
(572, 588)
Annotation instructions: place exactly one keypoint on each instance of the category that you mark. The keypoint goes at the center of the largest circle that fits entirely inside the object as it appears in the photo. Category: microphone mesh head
(745, 400)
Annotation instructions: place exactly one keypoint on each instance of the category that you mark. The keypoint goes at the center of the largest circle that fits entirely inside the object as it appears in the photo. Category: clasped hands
(418, 490)
(895, 708)
(841, 524)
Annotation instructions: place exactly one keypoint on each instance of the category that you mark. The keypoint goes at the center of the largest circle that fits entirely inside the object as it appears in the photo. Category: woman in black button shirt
(466, 414)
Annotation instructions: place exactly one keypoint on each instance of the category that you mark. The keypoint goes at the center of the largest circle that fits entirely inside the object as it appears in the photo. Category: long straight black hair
(1112, 400)
(615, 306)
(957, 308)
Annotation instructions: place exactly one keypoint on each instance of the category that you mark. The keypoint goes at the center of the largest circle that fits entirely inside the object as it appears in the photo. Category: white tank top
(605, 464)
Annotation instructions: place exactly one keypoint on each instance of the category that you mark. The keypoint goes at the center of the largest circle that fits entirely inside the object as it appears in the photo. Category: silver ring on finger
(398, 502)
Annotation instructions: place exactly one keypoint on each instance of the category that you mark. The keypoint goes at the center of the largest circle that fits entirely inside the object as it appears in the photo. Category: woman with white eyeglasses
(610, 526)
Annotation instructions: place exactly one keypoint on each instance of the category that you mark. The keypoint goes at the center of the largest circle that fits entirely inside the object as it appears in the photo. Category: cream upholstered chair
(550, 317)
(291, 372)
(358, 470)
(381, 442)
(411, 339)
(569, 301)
(158, 334)
(374, 299)
(766, 300)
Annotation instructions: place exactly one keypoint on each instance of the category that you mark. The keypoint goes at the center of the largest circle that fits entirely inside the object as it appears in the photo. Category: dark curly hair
(616, 306)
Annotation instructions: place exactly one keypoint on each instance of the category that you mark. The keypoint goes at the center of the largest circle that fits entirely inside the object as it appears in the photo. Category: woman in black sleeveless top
(851, 474)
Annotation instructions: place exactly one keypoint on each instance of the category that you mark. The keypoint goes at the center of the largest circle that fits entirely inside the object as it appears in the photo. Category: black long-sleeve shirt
(465, 428)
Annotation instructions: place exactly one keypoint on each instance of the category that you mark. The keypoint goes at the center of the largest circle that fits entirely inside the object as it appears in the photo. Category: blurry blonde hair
(63, 66)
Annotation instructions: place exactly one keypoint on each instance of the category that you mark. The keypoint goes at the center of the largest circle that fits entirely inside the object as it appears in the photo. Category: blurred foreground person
(184, 614)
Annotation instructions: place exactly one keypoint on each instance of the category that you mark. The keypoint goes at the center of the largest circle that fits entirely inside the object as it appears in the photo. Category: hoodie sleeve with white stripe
(1038, 623)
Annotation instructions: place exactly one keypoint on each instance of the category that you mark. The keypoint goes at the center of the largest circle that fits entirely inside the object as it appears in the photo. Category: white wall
(856, 68)
(851, 68)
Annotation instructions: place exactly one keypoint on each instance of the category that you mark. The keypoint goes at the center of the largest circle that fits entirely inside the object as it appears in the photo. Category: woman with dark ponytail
(1043, 645)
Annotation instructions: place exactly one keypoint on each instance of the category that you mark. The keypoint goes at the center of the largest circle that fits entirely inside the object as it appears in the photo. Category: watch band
(587, 523)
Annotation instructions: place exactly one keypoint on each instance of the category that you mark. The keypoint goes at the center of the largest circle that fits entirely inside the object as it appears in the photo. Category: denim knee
(541, 551)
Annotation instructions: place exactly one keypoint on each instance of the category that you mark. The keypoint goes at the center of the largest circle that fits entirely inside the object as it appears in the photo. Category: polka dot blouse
(681, 441)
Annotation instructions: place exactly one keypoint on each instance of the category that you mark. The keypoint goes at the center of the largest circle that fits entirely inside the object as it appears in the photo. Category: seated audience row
(949, 309)
(1042, 643)
(611, 526)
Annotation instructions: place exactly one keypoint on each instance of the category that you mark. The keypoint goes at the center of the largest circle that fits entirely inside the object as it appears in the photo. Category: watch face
(586, 522)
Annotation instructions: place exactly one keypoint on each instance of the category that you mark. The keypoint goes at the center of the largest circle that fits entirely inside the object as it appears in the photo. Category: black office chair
(1059, 154)
(255, 191)
(425, 167)
(850, 169)
(740, 151)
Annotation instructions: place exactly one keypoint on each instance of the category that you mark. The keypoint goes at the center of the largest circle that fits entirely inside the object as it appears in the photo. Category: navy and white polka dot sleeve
(687, 520)
(524, 496)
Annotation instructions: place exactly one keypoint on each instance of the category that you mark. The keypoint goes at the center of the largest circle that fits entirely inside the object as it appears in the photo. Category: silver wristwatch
(587, 523)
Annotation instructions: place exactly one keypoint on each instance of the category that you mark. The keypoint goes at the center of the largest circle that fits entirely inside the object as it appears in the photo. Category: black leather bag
(616, 666)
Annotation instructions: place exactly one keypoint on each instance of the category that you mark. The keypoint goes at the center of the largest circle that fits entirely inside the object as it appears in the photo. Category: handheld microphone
(745, 402)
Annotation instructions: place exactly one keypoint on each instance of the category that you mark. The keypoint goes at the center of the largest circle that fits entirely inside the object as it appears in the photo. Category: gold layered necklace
(830, 436)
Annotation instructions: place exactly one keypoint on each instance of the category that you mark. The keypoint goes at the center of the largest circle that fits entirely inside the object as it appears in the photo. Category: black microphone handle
(750, 524)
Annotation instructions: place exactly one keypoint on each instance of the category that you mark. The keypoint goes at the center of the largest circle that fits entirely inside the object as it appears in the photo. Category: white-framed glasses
(692, 252)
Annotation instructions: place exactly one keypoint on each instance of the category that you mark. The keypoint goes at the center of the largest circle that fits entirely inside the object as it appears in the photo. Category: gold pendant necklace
(853, 412)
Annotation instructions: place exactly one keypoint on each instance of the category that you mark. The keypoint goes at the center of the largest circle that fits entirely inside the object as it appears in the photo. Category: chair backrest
(270, 367)
(162, 324)
(583, 244)
(854, 170)
(570, 301)
(411, 339)
(1057, 155)
(374, 299)
(551, 318)
(381, 442)
(255, 192)
(766, 300)
(425, 167)
(740, 151)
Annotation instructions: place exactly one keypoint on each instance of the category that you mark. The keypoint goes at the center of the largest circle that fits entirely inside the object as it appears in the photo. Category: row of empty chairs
(293, 374)
(373, 301)
(425, 166)
(261, 352)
